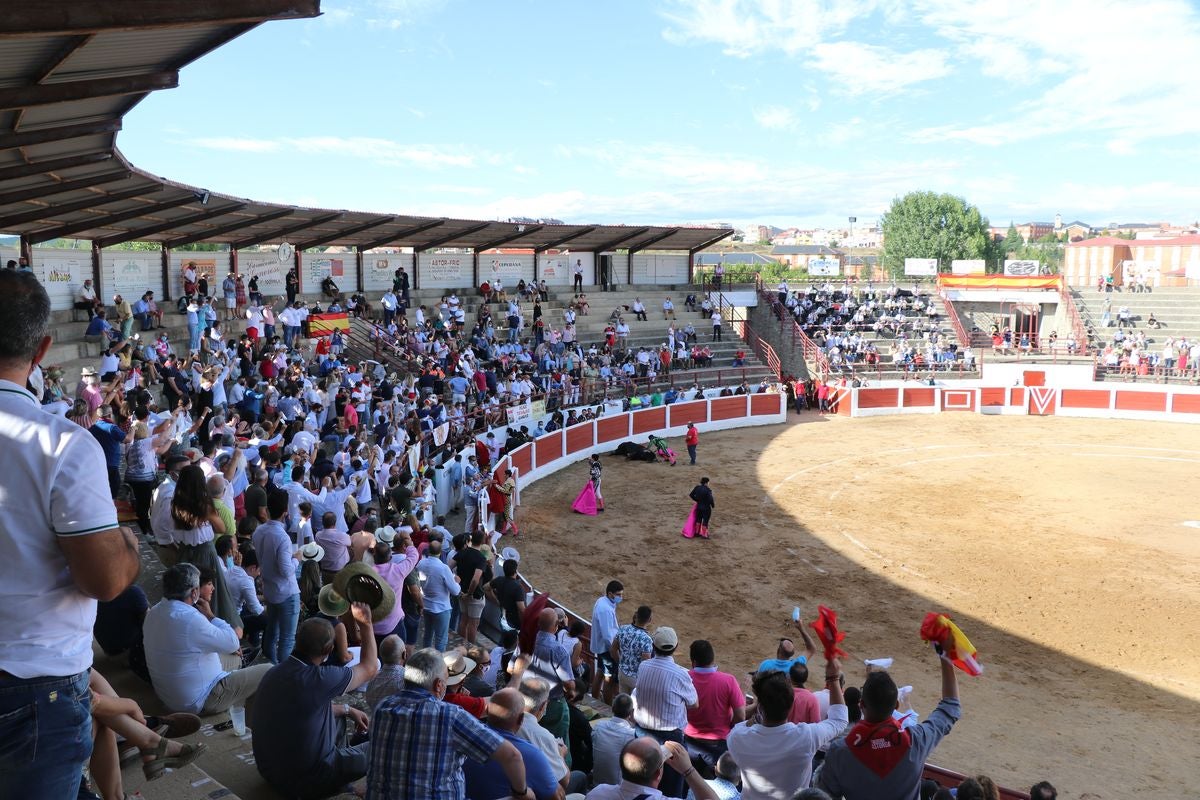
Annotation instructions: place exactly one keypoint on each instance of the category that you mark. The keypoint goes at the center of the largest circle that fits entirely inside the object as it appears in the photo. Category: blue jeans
(280, 636)
(45, 735)
(437, 629)
(412, 623)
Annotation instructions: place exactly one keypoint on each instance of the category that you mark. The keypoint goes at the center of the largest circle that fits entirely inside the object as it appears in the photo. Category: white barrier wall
(660, 267)
(380, 270)
(271, 272)
(559, 270)
(62, 272)
(316, 267)
(446, 270)
(510, 268)
(130, 274)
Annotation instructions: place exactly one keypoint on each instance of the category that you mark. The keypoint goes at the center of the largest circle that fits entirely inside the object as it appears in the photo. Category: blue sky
(656, 111)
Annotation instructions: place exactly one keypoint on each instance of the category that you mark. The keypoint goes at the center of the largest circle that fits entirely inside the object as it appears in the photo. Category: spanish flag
(955, 645)
(324, 324)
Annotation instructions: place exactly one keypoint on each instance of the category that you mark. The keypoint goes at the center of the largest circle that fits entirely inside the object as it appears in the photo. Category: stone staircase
(1177, 308)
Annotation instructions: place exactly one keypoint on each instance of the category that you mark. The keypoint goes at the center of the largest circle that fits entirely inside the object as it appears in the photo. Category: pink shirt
(719, 695)
(805, 707)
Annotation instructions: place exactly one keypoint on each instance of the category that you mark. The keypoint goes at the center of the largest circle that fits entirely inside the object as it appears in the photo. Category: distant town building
(1159, 262)
(797, 256)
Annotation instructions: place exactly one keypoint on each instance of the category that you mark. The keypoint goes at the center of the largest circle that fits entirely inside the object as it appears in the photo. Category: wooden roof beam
(72, 91)
(53, 165)
(455, 237)
(281, 232)
(69, 16)
(653, 239)
(527, 229)
(61, 187)
(47, 234)
(221, 230)
(10, 141)
(563, 240)
(59, 209)
(191, 219)
(333, 237)
(403, 233)
(624, 237)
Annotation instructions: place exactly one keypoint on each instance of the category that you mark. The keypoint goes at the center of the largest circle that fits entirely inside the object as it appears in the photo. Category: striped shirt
(418, 746)
(551, 662)
(662, 695)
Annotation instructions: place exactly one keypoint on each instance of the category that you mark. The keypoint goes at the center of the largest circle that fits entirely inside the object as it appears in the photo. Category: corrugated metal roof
(90, 66)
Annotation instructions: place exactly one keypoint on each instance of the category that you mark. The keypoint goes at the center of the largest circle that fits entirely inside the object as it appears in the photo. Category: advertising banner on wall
(270, 270)
(509, 268)
(445, 270)
(130, 274)
(824, 266)
(1022, 268)
(968, 266)
(920, 267)
(62, 272)
(318, 267)
(380, 270)
(1132, 271)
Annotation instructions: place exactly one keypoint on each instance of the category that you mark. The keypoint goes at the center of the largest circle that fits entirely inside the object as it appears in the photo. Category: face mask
(228, 562)
(617, 600)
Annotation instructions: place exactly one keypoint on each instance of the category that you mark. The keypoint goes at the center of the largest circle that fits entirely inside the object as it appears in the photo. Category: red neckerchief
(880, 746)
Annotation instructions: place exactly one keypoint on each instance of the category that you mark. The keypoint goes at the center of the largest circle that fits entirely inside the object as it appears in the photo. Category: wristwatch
(516, 793)
(345, 709)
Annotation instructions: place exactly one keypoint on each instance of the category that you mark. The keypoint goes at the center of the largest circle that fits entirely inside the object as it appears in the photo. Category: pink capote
(585, 503)
(690, 529)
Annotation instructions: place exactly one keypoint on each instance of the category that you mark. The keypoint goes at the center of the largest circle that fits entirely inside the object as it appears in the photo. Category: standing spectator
(774, 755)
(440, 586)
(193, 654)
(273, 546)
(609, 737)
(508, 593)
(419, 744)
(473, 570)
(716, 324)
(577, 276)
(631, 646)
(663, 694)
(878, 759)
(692, 440)
(720, 705)
(69, 554)
(604, 629)
(805, 705)
(124, 315)
(110, 438)
(298, 730)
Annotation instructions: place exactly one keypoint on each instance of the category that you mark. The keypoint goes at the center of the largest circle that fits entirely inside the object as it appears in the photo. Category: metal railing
(812, 353)
(745, 331)
(1077, 326)
(964, 338)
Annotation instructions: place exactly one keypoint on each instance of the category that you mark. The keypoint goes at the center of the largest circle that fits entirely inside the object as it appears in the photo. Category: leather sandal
(156, 766)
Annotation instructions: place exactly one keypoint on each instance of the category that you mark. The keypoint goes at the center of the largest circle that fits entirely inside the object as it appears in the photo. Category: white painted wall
(510, 268)
(660, 267)
(315, 267)
(271, 272)
(559, 270)
(445, 270)
(61, 271)
(380, 269)
(130, 274)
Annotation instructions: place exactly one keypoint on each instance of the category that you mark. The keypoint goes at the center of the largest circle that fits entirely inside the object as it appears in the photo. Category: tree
(931, 225)
(1012, 239)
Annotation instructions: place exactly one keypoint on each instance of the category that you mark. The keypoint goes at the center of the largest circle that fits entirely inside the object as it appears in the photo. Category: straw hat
(458, 667)
(330, 603)
(312, 552)
(360, 583)
(386, 534)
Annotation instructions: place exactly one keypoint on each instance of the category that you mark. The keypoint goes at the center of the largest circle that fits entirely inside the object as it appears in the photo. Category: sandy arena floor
(1068, 550)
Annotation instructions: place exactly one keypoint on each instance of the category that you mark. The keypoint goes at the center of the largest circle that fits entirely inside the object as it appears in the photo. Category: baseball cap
(665, 639)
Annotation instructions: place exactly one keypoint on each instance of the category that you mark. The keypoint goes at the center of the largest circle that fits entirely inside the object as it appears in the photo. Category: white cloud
(1124, 69)
(385, 152)
(775, 118)
(746, 27)
(860, 68)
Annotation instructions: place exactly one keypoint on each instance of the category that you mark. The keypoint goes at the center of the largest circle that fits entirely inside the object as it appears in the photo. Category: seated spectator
(418, 744)
(536, 692)
(114, 716)
(609, 737)
(969, 789)
(240, 571)
(298, 730)
(193, 656)
(776, 756)
(728, 777)
(1043, 790)
(86, 300)
(487, 779)
(390, 678)
(642, 765)
(858, 768)
(118, 627)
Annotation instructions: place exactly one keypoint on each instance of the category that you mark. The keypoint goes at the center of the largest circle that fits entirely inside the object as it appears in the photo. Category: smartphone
(796, 614)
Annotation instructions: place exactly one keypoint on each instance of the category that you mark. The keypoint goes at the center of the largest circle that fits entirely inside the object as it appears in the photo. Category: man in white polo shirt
(662, 694)
(62, 551)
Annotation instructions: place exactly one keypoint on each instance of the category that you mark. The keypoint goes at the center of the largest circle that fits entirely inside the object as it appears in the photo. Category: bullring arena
(1066, 549)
